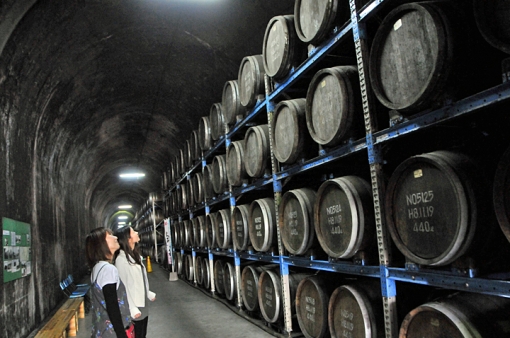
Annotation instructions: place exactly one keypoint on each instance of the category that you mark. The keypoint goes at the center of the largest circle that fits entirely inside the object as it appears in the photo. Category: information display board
(17, 250)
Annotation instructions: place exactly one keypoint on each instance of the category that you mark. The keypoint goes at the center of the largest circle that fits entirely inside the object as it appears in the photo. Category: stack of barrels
(437, 205)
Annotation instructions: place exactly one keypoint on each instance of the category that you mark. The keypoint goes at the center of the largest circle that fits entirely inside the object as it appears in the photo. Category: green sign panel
(17, 256)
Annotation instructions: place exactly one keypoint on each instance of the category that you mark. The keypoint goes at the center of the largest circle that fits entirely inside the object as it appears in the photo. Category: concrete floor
(183, 311)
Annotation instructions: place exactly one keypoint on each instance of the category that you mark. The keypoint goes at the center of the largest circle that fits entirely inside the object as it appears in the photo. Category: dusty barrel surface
(222, 229)
(492, 19)
(344, 216)
(219, 174)
(291, 140)
(295, 219)
(262, 224)
(256, 150)
(431, 206)
(239, 220)
(314, 20)
(501, 193)
(312, 299)
(281, 49)
(251, 80)
(356, 311)
(219, 276)
(230, 281)
(231, 102)
(236, 171)
(182, 162)
(216, 121)
(460, 315)
(204, 133)
(333, 105)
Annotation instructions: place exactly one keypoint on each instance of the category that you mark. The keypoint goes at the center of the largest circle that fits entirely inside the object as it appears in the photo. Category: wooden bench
(64, 322)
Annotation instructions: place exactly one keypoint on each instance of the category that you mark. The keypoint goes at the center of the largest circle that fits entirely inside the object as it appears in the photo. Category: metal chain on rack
(375, 162)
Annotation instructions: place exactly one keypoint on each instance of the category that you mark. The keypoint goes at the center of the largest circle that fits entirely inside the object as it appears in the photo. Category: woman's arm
(112, 307)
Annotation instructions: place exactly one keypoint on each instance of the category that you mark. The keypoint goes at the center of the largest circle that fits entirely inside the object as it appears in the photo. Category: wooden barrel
(492, 19)
(281, 49)
(204, 133)
(314, 20)
(501, 193)
(182, 162)
(206, 273)
(431, 207)
(418, 50)
(231, 102)
(173, 172)
(198, 270)
(183, 188)
(256, 150)
(333, 105)
(356, 311)
(207, 182)
(198, 231)
(222, 229)
(230, 281)
(188, 160)
(189, 229)
(344, 216)
(270, 294)
(176, 234)
(249, 287)
(312, 299)
(194, 146)
(189, 270)
(460, 315)
(236, 172)
(219, 174)
(291, 140)
(251, 80)
(178, 262)
(295, 219)
(197, 189)
(216, 121)
(211, 221)
(239, 219)
(164, 179)
(262, 224)
(190, 193)
(184, 234)
(219, 276)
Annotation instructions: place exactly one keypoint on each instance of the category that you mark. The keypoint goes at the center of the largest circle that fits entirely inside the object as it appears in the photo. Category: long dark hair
(123, 236)
(96, 247)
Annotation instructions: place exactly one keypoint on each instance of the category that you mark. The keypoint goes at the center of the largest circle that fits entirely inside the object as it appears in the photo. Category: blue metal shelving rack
(372, 143)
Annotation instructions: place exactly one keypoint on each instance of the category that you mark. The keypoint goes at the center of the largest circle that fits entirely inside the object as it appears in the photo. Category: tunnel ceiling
(116, 84)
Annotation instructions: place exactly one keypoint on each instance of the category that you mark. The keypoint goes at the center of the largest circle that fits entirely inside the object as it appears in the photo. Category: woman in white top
(134, 276)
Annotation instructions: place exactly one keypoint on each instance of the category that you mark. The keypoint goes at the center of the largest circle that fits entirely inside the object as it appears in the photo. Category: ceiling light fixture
(132, 175)
(122, 217)
(121, 223)
(126, 206)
